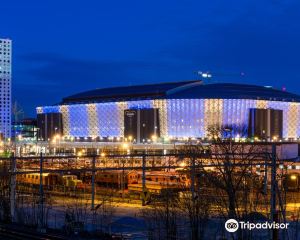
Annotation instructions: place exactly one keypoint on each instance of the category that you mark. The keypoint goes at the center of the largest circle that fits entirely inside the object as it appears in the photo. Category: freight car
(71, 181)
(49, 179)
(118, 177)
(34, 178)
(157, 182)
(152, 188)
(115, 178)
(164, 178)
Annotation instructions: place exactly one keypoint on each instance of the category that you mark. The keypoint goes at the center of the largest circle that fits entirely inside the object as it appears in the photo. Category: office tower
(5, 87)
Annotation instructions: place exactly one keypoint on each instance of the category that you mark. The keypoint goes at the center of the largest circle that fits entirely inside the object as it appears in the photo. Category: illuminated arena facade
(185, 109)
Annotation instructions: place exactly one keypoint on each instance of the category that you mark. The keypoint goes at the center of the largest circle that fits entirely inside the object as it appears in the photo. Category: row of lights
(154, 138)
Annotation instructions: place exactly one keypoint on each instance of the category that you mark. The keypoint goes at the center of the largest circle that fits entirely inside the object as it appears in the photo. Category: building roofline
(194, 89)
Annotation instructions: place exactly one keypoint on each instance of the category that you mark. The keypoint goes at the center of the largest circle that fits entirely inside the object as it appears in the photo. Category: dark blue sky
(62, 47)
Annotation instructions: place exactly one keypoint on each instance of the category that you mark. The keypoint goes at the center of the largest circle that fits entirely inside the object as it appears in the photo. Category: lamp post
(229, 130)
(37, 132)
(20, 138)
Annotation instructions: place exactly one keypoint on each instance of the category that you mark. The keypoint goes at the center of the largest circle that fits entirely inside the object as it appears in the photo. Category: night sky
(62, 47)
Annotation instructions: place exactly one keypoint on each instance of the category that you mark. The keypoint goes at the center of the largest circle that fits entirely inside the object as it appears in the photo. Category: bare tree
(163, 218)
(196, 211)
(104, 211)
(233, 171)
(75, 217)
(4, 192)
(195, 203)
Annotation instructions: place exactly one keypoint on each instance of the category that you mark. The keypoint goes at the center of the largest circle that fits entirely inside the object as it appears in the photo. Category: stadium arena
(176, 110)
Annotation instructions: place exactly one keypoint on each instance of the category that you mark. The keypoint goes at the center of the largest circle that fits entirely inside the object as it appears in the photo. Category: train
(50, 179)
(156, 181)
(115, 178)
(152, 188)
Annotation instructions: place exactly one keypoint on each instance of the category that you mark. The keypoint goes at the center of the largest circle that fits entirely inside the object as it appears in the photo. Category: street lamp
(154, 138)
(182, 164)
(293, 177)
(125, 146)
(229, 130)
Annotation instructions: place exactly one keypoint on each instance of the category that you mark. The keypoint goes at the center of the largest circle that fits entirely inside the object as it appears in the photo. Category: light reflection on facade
(178, 117)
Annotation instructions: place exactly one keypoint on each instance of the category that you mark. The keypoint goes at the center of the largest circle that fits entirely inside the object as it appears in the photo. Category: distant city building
(178, 110)
(25, 130)
(5, 87)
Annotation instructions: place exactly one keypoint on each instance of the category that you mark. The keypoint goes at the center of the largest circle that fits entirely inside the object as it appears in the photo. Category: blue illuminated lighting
(235, 115)
(109, 120)
(78, 121)
(185, 117)
(178, 117)
(50, 109)
(139, 104)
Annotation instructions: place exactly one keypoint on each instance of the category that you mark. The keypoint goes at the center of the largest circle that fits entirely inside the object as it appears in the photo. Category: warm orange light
(293, 177)
(125, 145)
(182, 164)
(154, 138)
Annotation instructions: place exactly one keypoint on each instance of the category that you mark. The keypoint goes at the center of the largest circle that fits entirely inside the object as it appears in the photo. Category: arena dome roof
(182, 90)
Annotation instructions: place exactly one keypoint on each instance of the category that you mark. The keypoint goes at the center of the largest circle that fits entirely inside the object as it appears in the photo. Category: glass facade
(177, 117)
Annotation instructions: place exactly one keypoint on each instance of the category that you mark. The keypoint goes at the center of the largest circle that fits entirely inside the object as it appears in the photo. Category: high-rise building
(5, 87)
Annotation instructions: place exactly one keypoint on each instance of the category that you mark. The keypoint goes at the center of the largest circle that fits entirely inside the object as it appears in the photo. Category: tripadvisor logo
(231, 225)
